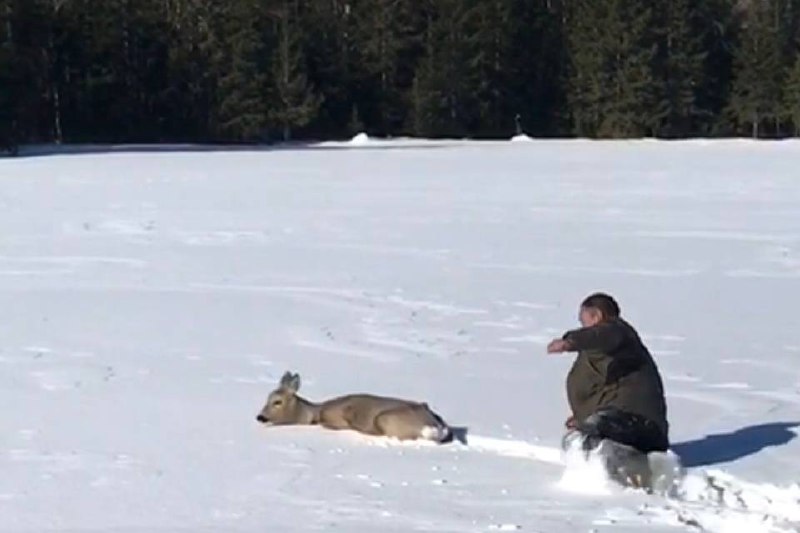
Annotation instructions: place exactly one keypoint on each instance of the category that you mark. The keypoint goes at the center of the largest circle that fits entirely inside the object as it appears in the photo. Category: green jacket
(614, 369)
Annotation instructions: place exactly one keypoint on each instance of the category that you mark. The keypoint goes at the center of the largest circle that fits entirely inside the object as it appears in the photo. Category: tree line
(76, 71)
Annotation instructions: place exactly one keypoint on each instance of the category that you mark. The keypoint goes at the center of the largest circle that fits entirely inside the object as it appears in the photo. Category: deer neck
(308, 411)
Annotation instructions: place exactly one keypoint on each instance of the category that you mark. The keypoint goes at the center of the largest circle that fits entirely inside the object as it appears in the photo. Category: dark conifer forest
(110, 71)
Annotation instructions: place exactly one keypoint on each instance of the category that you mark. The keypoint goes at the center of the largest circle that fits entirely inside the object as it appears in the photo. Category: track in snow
(708, 500)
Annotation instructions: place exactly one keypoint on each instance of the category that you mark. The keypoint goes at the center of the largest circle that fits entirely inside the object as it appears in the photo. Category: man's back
(614, 369)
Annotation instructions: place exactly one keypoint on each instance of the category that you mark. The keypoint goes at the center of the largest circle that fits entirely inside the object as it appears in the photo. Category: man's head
(598, 308)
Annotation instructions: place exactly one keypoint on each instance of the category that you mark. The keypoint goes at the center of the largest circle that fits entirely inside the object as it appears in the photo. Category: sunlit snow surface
(150, 300)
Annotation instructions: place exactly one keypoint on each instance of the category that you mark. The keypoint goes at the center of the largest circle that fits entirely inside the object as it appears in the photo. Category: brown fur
(364, 413)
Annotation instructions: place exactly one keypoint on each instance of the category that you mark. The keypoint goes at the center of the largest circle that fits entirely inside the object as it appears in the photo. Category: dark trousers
(622, 427)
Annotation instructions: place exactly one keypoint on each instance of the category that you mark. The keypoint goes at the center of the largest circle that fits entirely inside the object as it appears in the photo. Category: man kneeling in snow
(614, 387)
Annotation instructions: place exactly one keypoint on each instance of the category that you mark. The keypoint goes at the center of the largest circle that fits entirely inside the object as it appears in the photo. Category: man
(614, 387)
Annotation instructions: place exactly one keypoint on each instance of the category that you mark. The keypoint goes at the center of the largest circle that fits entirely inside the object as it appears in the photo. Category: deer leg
(411, 423)
(398, 423)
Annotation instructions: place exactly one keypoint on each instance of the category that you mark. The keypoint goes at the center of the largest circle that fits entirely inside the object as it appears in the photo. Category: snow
(151, 300)
(360, 139)
(584, 476)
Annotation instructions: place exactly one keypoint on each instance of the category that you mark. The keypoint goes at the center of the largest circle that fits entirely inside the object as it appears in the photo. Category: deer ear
(294, 383)
(286, 379)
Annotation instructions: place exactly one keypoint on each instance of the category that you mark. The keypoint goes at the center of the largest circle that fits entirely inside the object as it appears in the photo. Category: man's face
(590, 316)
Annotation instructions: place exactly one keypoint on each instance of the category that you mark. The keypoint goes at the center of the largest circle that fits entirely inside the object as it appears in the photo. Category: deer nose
(261, 418)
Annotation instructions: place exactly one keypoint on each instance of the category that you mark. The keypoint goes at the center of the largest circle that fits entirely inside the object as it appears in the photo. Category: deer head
(283, 406)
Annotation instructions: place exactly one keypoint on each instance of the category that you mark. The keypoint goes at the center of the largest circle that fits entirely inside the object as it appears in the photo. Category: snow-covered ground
(149, 302)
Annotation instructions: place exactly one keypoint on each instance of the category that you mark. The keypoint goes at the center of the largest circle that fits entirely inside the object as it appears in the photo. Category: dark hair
(603, 303)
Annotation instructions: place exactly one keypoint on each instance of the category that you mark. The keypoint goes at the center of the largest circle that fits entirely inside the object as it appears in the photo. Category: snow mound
(521, 138)
(724, 490)
(360, 139)
(718, 502)
(584, 475)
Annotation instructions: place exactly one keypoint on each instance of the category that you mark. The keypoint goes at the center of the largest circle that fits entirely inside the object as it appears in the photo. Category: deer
(376, 416)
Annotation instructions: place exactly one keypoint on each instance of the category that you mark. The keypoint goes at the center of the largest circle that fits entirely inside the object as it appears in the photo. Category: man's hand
(571, 423)
(557, 346)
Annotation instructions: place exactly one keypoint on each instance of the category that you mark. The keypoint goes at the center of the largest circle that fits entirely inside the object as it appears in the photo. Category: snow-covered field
(149, 302)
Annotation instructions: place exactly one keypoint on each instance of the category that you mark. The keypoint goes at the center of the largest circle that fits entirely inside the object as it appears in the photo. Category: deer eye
(277, 403)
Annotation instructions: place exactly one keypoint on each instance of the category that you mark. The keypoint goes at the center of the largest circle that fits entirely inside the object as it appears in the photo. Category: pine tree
(192, 70)
(329, 43)
(586, 59)
(534, 72)
(296, 102)
(241, 109)
(681, 64)
(192, 64)
(105, 69)
(756, 90)
(27, 72)
(717, 27)
(791, 95)
(612, 84)
(488, 28)
(443, 105)
(6, 77)
(788, 122)
(89, 83)
(386, 41)
(146, 52)
(486, 63)
(51, 49)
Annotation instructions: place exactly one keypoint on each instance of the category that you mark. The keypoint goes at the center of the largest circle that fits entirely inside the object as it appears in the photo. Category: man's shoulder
(630, 331)
(621, 323)
(624, 327)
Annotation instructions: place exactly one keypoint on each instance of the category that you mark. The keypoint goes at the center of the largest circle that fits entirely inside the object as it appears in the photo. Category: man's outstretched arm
(605, 337)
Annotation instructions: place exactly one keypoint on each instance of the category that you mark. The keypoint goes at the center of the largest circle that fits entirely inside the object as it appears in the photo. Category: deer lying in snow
(365, 413)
